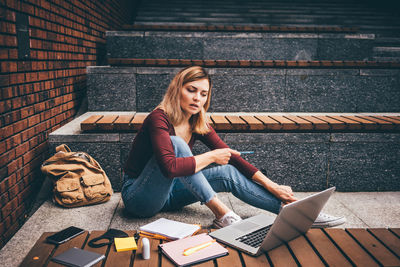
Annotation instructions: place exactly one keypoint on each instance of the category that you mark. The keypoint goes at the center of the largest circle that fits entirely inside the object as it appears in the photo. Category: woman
(162, 174)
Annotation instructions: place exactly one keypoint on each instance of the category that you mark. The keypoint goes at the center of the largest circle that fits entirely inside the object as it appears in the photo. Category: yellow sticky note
(125, 243)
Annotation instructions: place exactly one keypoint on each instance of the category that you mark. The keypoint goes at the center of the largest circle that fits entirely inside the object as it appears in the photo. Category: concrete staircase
(299, 67)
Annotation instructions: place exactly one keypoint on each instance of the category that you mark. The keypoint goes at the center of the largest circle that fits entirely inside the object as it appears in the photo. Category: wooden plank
(390, 240)
(395, 122)
(368, 125)
(74, 242)
(106, 123)
(209, 121)
(301, 123)
(122, 258)
(270, 124)
(286, 123)
(396, 118)
(39, 253)
(255, 261)
(137, 121)
(231, 260)
(221, 123)
(396, 231)
(383, 125)
(328, 251)
(253, 122)
(100, 250)
(281, 256)
(350, 124)
(122, 122)
(304, 252)
(154, 255)
(237, 123)
(350, 247)
(374, 247)
(90, 123)
(334, 124)
(318, 124)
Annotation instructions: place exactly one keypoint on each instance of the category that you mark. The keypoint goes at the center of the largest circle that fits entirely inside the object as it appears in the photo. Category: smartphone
(64, 235)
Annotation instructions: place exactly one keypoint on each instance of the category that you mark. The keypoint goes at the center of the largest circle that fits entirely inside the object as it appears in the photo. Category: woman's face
(194, 95)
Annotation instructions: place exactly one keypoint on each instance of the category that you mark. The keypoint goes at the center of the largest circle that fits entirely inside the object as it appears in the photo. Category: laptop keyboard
(254, 239)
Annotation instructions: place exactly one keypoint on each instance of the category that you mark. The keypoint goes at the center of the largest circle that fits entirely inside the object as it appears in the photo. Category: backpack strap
(63, 148)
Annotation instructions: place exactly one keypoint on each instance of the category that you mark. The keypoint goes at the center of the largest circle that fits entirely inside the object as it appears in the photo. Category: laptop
(263, 232)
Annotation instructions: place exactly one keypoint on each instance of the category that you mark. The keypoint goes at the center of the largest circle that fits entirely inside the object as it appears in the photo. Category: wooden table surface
(327, 247)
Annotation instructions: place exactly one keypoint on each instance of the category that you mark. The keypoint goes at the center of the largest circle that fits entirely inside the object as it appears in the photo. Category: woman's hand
(223, 155)
(283, 192)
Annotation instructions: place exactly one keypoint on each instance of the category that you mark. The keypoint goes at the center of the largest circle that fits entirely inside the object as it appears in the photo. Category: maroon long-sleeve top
(153, 138)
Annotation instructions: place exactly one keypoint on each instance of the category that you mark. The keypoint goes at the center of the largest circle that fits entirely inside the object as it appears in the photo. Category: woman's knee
(181, 148)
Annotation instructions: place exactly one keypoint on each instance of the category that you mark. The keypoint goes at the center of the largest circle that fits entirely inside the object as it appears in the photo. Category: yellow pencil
(191, 250)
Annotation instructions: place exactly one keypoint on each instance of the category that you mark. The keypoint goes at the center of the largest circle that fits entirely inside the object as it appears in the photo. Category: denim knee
(181, 148)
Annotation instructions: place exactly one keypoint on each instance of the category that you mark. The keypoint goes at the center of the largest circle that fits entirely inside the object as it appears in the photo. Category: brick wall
(45, 48)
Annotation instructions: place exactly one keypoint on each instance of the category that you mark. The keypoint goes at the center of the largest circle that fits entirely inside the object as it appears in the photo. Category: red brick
(14, 165)
(21, 149)
(7, 209)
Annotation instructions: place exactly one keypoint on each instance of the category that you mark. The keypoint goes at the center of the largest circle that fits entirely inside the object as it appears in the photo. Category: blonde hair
(171, 101)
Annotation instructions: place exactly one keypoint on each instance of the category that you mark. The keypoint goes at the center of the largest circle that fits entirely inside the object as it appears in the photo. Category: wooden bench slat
(100, 250)
(383, 125)
(350, 124)
(39, 253)
(231, 260)
(74, 242)
(396, 231)
(237, 123)
(106, 123)
(388, 238)
(286, 123)
(137, 121)
(255, 261)
(395, 122)
(318, 124)
(368, 125)
(281, 256)
(304, 252)
(396, 118)
(301, 122)
(374, 247)
(221, 123)
(210, 122)
(270, 124)
(253, 122)
(326, 248)
(122, 258)
(122, 122)
(350, 247)
(90, 123)
(333, 124)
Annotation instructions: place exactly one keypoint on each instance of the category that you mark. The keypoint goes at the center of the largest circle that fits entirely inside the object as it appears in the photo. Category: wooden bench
(210, 63)
(331, 247)
(258, 123)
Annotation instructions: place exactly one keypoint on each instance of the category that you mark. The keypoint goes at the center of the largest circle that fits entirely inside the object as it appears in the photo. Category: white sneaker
(325, 220)
(228, 219)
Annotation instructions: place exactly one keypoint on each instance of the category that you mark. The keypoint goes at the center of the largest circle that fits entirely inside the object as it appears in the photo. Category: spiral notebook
(174, 250)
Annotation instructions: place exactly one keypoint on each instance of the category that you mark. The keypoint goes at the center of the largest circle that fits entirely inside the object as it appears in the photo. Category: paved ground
(365, 209)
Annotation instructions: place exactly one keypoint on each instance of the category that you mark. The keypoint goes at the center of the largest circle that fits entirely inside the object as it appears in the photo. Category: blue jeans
(152, 192)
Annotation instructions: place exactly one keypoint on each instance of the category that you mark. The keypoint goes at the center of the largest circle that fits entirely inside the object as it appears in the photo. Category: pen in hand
(246, 152)
(191, 250)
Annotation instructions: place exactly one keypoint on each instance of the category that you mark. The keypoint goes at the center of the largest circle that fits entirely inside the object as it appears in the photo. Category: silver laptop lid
(295, 219)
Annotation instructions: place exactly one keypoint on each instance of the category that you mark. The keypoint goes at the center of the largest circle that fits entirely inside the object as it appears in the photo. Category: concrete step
(239, 45)
(257, 89)
(306, 161)
(386, 51)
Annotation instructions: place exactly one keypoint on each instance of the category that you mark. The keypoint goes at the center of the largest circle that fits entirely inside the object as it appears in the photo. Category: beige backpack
(78, 178)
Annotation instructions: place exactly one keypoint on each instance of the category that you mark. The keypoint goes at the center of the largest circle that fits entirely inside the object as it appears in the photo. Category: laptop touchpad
(245, 226)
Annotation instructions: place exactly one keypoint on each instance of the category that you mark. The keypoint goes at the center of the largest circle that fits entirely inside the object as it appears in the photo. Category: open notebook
(168, 229)
(174, 250)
